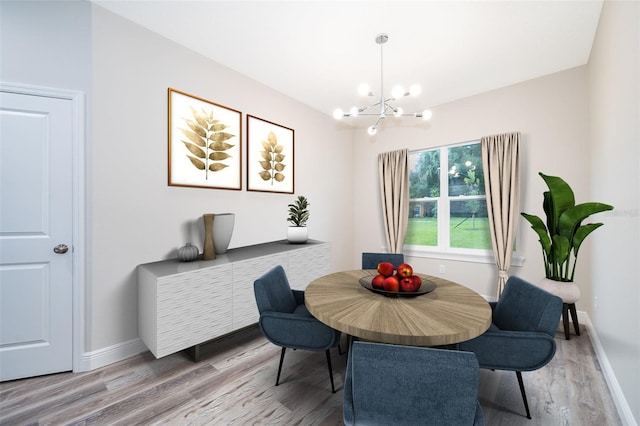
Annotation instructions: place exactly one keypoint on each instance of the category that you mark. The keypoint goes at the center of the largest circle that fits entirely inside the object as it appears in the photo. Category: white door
(36, 223)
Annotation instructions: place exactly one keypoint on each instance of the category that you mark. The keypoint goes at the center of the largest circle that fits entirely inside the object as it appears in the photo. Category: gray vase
(223, 224)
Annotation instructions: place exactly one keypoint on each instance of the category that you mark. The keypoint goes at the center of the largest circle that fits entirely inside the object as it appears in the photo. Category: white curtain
(501, 165)
(394, 192)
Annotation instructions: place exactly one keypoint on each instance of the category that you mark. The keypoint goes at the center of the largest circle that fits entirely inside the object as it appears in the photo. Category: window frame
(443, 249)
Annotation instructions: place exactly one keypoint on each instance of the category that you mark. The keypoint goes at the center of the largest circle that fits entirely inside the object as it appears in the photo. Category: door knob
(61, 249)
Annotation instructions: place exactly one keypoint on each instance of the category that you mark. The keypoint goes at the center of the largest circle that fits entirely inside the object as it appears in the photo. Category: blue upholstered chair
(404, 385)
(521, 336)
(285, 320)
(371, 260)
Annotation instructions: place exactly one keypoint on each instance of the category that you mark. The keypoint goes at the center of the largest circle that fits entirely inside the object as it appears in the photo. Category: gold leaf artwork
(205, 139)
(272, 164)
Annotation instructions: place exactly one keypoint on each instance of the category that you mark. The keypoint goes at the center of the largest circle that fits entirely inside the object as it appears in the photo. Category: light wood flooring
(233, 384)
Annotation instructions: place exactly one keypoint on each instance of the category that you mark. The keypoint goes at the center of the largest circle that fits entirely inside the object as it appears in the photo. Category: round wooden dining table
(451, 313)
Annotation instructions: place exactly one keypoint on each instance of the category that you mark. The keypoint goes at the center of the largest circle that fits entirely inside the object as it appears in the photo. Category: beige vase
(208, 252)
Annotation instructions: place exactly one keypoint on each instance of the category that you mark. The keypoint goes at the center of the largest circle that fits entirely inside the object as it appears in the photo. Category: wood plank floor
(233, 384)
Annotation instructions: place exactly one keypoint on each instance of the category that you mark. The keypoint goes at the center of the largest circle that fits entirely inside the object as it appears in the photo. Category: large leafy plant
(298, 212)
(564, 232)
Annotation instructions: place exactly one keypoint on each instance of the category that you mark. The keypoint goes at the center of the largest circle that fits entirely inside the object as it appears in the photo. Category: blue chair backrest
(524, 307)
(371, 260)
(273, 292)
(403, 385)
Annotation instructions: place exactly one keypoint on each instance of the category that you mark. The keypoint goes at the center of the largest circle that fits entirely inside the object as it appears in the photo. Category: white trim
(624, 410)
(109, 355)
(79, 308)
(462, 255)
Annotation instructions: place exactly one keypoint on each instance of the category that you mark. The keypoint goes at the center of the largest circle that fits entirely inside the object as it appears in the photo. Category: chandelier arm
(368, 106)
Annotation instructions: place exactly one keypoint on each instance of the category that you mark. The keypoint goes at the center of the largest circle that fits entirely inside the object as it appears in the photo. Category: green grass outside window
(464, 233)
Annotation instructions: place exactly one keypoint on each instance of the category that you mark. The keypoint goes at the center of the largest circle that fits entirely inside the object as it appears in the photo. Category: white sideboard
(184, 304)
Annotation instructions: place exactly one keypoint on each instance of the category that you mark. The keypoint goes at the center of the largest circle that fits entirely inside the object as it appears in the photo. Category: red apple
(406, 284)
(385, 268)
(391, 284)
(376, 282)
(405, 270)
(417, 282)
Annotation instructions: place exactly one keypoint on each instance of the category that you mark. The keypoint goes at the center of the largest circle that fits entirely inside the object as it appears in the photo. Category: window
(447, 206)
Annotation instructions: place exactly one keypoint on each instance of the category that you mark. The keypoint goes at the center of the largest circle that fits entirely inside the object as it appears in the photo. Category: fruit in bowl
(376, 282)
(404, 279)
(385, 269)
(410, 284)
(391, 284)
(404, 270)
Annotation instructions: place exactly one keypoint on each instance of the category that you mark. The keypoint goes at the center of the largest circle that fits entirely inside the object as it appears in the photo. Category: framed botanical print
(270, 156)
(205, 143)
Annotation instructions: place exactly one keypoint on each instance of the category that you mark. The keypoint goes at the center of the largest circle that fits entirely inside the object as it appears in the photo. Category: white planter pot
(222, 230)
(297, 234)
(569, 292)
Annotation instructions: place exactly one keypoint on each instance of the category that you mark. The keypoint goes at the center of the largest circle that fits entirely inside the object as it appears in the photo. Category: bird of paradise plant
(564, 232)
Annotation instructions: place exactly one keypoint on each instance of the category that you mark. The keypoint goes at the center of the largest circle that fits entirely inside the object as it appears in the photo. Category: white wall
(614, 138)
(137, 218)
(46, 44)
(550, 112)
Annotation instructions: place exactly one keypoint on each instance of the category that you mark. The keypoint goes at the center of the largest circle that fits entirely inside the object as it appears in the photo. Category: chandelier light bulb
(415, 90)
(354, 111)
(427, 114)
(364, 90)
(398, 112)
(398, 92)
(372, 130)
(338, 114)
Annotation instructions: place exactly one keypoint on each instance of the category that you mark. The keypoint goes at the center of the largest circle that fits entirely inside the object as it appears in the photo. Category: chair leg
(565, 320)
(524, 395)
(574, 316)
(280, 366)
(333, 389)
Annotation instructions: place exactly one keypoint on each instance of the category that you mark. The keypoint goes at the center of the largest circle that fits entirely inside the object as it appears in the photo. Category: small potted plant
(298, 216)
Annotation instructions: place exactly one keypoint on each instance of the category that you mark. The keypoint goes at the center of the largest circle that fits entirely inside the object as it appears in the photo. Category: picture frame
(270, 156)
(205, 143)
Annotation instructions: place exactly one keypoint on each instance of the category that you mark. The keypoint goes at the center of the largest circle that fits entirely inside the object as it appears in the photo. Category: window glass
(447, 207)
(465, 170)
(469, 225)
(424, 190)
(423, 224)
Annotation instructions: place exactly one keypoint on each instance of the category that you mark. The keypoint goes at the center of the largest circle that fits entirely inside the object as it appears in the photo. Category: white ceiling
(318, 52)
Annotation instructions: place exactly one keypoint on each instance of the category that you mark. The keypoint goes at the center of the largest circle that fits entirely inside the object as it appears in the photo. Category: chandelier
(383, 105)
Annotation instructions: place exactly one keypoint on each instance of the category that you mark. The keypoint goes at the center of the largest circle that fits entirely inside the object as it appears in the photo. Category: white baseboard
(624, 410)
(103, 357)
